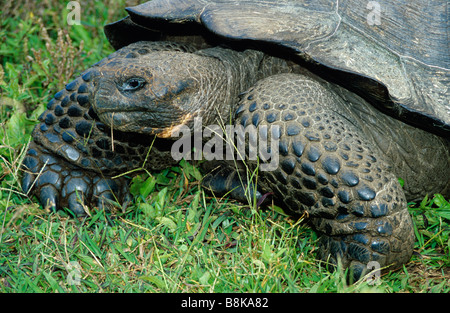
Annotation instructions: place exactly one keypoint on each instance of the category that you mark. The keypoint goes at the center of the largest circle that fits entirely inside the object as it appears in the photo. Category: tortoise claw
(75, 206)
(27, 182)
(59, 184)
(104, 201)
(107, 191)
(49, 197)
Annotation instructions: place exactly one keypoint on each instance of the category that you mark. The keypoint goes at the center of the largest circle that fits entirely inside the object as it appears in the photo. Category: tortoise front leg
(330, 169)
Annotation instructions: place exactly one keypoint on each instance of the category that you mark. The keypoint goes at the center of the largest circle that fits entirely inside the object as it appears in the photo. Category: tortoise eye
(133, 84)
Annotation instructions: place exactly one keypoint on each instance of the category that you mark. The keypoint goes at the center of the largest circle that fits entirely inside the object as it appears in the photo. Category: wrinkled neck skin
(240, 71)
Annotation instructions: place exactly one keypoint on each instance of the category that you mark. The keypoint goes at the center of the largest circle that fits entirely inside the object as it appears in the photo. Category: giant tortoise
(354, 94)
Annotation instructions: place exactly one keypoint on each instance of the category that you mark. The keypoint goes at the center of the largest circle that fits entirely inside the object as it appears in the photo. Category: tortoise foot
(58, 183)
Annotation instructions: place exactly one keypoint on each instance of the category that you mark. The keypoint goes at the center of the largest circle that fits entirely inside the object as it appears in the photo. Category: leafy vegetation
(174, 237)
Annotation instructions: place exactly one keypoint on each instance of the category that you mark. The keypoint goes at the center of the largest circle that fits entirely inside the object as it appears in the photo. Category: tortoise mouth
(143, 122)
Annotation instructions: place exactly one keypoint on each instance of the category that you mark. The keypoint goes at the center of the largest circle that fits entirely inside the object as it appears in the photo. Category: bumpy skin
(329, 169)
(339, 158)
(333, 168)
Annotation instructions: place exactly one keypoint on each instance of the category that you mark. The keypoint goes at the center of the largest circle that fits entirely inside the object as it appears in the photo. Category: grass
(174, 237)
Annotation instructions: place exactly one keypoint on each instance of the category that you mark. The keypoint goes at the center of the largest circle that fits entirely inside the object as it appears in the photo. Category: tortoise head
(147, 89)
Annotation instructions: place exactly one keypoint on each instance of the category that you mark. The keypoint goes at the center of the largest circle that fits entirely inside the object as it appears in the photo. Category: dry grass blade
(63, 55)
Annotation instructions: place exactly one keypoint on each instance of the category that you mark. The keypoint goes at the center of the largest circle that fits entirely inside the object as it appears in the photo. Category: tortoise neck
(242, 70)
